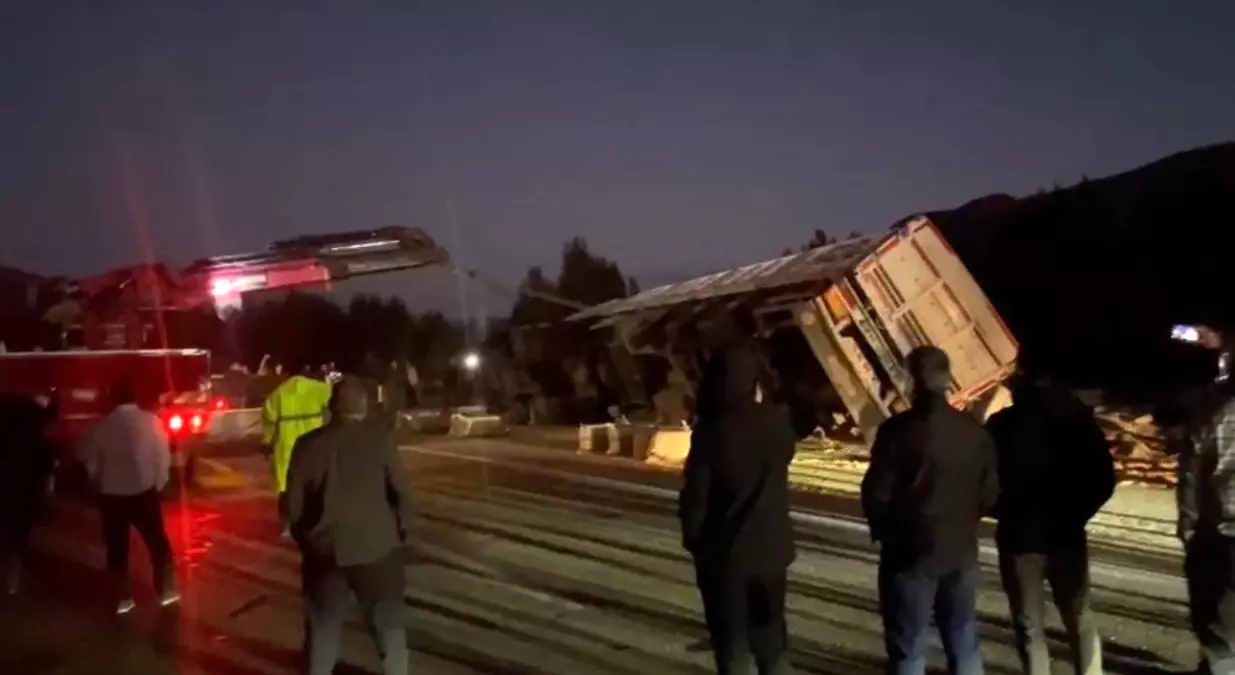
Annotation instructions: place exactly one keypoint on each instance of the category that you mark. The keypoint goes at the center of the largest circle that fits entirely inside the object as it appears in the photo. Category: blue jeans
(908, 596)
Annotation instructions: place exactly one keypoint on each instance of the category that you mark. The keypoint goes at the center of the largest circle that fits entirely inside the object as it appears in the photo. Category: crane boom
(314, 259)
(110, 307)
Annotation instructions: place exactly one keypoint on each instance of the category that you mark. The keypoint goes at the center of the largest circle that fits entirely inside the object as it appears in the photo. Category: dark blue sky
(677, 136)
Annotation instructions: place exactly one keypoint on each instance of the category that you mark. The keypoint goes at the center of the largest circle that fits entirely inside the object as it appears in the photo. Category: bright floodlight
(220, 287)
(471, 360)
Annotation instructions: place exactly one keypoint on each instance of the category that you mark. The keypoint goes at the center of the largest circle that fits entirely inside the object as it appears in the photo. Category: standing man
(396, 394)
(1202, 431)
(932, 477)
(1049, 443)
(296, 407)
(349, 505)
(734, 510)
(26, 464)
(127, 459)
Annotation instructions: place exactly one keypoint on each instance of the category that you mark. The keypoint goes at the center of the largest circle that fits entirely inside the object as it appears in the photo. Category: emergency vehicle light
(177, 422)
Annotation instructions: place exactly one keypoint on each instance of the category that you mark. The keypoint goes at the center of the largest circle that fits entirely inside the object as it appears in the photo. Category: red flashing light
(195, 423)
(175, 423)
(220, 403)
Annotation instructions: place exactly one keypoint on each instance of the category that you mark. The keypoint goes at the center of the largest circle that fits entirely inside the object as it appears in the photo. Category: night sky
(677, 136)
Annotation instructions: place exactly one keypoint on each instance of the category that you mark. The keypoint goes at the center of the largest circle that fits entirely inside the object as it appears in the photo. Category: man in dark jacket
(734, 509)
(932, 477)
(349, 505)
(26, 462)
(1056, 473)
(1202, 432)
(394, 394)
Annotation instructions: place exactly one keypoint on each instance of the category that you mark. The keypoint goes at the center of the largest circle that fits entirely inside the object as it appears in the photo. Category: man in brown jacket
(349, 505)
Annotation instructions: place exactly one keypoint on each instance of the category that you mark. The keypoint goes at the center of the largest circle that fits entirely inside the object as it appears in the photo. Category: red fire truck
(113, 327)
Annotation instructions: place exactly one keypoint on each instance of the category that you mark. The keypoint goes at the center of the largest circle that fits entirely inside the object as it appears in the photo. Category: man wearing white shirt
(127, 458)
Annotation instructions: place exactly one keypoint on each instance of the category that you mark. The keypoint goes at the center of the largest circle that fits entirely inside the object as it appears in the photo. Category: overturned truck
(836, 323)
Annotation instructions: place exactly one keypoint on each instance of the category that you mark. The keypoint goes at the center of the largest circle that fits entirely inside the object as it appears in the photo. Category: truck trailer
(838, 319)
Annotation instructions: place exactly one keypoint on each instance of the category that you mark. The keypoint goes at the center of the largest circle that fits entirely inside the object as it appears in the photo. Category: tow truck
(114, 326)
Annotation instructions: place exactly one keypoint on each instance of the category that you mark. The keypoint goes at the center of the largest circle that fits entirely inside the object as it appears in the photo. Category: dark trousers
(281, 510)
(144, 513)
(1209, 567)
(745, 617)
(379, 588)
(909, 595)
(1025, 576)
(16, 522)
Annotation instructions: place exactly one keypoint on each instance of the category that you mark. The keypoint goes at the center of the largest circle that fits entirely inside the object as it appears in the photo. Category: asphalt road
(528, 561)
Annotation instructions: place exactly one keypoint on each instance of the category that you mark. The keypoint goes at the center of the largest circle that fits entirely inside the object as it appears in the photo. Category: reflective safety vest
(293, 409)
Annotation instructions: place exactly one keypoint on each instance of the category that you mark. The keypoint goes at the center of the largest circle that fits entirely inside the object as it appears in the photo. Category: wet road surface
(526, 561)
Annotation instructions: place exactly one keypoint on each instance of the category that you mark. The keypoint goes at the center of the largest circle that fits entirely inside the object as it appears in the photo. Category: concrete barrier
(598, 438)
(240, 423)
(641, 437)
(643, 442)
(668, 446)
(633, 440)
(462, 426)
(437, 420)
(425, 420)
(233, 425)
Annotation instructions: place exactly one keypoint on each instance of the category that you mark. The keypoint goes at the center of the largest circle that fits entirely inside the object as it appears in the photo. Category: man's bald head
(930, 369)
(350, 399)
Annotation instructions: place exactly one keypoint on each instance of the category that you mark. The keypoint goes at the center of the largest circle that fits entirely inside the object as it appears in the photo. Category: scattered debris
(1138, 447)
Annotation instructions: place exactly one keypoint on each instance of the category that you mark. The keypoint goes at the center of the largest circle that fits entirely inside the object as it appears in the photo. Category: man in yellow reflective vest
(293, 409)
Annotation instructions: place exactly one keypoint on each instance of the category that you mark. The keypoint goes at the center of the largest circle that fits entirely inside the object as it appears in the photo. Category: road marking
(274, 551)
(222, 476)
(1154, 584)
(498, 575)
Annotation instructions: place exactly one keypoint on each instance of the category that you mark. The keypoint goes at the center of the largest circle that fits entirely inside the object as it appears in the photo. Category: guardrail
(234, 424)
(240, 423)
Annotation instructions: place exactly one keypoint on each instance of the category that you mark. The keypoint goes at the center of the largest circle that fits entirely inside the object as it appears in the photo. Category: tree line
(306, 328)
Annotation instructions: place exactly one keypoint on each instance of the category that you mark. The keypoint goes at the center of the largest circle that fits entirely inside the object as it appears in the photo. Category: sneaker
(125, 606)
(169, 598)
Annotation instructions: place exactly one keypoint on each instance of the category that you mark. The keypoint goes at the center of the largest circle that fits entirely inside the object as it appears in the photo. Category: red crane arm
(311, 260)
(108, 305)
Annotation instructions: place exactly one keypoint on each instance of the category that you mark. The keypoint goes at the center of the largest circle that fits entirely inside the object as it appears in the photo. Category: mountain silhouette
(1091, 277)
